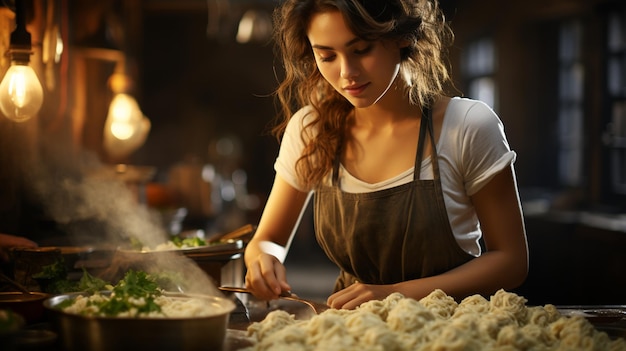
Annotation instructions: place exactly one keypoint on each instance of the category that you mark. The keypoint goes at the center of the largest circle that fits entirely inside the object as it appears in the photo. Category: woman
(406, 180)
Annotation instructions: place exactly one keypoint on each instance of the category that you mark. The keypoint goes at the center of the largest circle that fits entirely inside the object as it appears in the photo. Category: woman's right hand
(266, 277)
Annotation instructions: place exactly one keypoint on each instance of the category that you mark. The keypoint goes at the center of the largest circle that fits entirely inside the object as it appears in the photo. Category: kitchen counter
(39, 337)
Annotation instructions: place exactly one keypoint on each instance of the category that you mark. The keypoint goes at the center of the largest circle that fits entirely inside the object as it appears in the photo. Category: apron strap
(335, 178)
(425, 122)
(336, 161)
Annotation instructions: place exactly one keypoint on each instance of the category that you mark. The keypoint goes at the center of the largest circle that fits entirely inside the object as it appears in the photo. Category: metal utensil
(315, 306)
(15, 284)
(244, 233)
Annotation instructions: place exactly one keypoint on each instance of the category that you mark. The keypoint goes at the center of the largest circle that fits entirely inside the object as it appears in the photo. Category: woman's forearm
(483, 275)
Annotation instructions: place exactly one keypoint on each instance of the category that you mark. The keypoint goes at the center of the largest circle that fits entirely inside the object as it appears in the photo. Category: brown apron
(391, 235)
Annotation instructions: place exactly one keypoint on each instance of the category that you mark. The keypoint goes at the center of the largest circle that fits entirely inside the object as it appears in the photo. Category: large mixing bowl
(77, 332)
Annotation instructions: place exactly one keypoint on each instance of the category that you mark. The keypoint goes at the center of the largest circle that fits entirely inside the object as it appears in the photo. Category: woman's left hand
(357, 293)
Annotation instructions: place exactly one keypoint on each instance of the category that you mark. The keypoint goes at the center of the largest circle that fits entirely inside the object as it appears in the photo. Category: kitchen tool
(596, 314)
(610, 319)
(84, 333)
(244, 233)
(15, 284)
(213, 247)
(317, 307)
(230, 241)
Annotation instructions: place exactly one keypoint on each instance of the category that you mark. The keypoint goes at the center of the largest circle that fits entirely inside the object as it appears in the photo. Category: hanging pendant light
(21, 93)
(126, 127)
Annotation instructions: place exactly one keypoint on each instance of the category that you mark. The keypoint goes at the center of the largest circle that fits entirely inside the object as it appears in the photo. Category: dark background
(200, 87)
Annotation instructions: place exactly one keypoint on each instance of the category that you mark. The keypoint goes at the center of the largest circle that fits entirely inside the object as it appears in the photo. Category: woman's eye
(363, 51)
(326, 58)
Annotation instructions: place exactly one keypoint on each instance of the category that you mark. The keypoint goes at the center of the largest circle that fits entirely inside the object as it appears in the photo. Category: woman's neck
(385, 113)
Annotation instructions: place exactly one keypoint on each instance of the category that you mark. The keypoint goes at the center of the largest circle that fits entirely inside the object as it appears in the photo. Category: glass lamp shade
(21, 94)
(124, 116)
(126, 127)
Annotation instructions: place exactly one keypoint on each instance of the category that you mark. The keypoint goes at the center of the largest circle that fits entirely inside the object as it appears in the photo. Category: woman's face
(361, 71)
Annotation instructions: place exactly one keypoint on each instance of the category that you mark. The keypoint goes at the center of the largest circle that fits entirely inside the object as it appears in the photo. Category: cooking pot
(29, 306)
(188, 264)
(88, 333)
(29, 262)
(211, 258)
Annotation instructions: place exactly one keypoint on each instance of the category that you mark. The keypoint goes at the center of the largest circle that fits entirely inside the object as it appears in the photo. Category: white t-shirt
(472, 148)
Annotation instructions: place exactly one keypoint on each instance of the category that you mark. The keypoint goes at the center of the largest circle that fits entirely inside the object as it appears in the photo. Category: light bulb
(124, 118)
(21, 94)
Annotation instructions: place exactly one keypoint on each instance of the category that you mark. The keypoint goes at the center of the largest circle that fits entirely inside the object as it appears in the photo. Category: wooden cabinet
(574, 263)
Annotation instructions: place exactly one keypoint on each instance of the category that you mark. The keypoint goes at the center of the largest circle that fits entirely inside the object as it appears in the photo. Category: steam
(91, 203)
(95, 207)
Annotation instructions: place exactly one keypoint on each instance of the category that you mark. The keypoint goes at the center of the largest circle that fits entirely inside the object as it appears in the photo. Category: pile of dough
(436, 322)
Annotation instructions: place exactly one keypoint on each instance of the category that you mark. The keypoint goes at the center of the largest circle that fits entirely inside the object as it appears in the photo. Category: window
(570, 108)
(479, 65)
(615, 135)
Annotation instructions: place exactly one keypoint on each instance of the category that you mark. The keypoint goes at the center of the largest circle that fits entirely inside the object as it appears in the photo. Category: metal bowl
(77, 332)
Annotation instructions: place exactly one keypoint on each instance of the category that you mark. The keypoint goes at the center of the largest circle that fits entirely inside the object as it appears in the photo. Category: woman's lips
(355, 90)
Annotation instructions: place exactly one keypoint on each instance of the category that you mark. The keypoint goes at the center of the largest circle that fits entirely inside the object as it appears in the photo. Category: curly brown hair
(423, 68)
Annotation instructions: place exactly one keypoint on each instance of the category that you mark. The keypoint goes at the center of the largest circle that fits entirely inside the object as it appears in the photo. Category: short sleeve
(291, 148)
(485, 150)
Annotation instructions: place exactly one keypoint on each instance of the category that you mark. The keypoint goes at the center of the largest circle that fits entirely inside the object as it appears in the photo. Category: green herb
(119, 304)
(136, 293)
(53, 280)
(56, 270)
(60, 286)
(137, 284)
(91, 284)
(64, 304)
(188, 242)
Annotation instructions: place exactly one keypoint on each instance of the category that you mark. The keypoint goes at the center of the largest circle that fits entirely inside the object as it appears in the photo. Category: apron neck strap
(426, 125)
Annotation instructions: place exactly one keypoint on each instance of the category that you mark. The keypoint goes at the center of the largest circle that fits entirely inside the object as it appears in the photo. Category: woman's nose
(348, 70)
